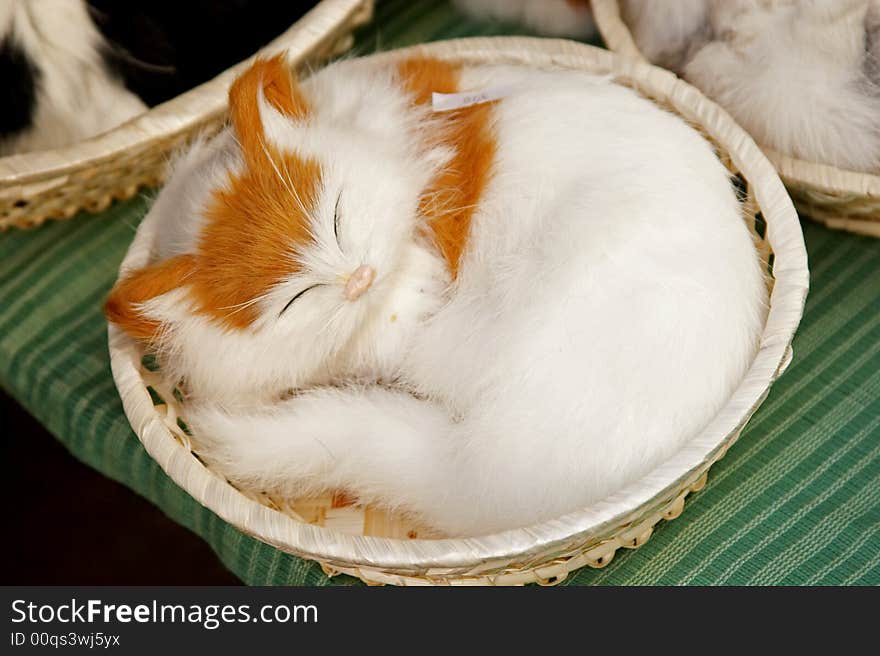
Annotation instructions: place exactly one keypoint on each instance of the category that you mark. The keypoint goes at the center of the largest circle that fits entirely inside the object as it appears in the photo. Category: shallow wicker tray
(56, 184)
(846, 200)
(379, 548)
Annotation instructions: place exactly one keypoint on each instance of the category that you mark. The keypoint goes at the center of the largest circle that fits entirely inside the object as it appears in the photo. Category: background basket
(846, 200)
(90, 174)
(380, 548)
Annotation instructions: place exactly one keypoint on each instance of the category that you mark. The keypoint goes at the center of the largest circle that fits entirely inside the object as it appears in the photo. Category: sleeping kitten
(489, 316)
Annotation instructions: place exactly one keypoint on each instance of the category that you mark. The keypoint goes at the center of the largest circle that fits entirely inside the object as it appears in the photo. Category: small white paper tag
(445, 102)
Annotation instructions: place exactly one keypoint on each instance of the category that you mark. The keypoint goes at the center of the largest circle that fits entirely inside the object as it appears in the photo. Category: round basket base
(380, 548)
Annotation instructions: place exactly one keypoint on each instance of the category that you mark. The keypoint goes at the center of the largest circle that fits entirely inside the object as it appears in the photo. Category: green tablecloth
(796, 501)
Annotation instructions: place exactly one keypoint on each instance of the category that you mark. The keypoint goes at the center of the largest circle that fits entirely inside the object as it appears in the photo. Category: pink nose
(359, 282)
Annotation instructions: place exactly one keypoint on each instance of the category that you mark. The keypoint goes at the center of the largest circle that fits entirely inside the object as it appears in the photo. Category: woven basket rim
(815, 175)
(419, 555)
(179, 113)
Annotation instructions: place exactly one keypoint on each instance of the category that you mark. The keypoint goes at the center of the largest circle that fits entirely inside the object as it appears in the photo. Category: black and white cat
(72, 69)
(58, 87)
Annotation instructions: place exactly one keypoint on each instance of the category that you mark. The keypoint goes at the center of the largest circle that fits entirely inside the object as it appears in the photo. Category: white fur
(547, 17)
(795, 75)
(872, 40)
(609, 301)
(666, 30)
(76, 97)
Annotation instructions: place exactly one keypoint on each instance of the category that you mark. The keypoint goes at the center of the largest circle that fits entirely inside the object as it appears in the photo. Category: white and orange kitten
(486, 317)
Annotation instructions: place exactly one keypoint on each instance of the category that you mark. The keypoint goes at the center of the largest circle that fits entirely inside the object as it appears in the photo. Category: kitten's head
(289, 240)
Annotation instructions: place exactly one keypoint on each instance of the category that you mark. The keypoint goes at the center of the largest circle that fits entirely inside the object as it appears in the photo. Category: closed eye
(336, 220)
(290, 302)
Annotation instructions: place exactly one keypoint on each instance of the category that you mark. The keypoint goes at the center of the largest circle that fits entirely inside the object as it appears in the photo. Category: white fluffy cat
(795, 73)
(488, 317)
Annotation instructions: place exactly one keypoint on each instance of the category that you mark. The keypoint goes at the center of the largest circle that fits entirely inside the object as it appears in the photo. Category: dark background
(66, 524)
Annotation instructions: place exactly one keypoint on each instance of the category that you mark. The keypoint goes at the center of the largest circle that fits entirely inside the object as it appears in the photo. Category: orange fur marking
(254, 226)
(123, 305)
(450, 200)
(245, 248)
(342, 499)
(422, 77)
(271, 77)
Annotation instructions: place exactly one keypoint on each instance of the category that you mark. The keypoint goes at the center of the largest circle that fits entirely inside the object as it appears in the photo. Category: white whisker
(333, 319)
(288, 183)
(239, 307)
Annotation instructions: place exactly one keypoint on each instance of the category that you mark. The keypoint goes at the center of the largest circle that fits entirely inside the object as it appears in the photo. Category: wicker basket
(55, 184)
(380, 548)
(846, 200)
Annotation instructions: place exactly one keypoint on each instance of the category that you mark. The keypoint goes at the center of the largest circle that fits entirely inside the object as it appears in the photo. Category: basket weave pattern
(384, 549)
(847, 200)
(56, 184)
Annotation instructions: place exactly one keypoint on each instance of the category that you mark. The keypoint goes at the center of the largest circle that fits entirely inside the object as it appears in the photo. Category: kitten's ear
(268, 81)
(124, 305)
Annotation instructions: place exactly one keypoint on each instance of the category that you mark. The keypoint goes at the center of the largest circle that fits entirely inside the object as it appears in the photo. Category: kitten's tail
(382, 445)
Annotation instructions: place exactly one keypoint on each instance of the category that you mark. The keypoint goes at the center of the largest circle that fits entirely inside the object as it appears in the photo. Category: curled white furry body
(602, 304)
(801, 76)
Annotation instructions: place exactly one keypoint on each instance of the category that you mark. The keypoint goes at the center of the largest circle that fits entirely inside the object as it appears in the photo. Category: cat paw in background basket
(801, 76)
(412, 281)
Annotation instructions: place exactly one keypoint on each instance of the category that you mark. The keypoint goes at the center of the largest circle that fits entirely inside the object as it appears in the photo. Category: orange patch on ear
(272, 79)
(123, 305)
(450, 200)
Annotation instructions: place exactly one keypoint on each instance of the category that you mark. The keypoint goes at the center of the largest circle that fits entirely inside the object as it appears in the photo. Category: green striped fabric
(796, 501)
